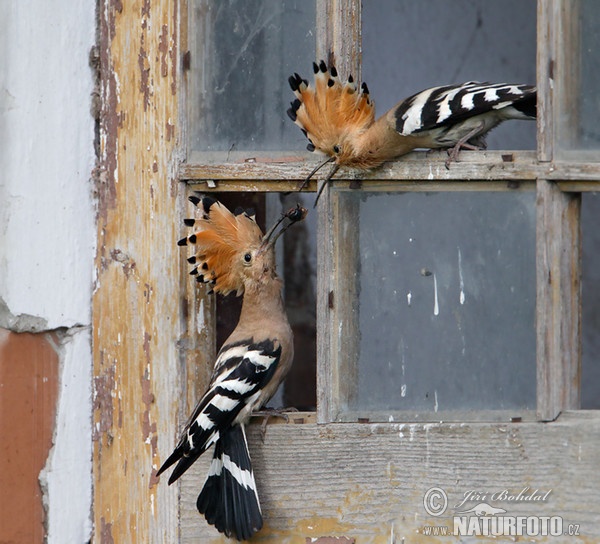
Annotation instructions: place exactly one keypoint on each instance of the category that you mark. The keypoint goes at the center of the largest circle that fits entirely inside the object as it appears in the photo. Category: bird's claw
(268, 413)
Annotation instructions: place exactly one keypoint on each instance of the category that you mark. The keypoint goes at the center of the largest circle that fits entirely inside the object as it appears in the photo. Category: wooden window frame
(558, 187)
(558, 183)
(153, 334)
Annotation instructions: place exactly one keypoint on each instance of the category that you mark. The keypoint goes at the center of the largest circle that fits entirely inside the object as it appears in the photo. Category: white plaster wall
(67, 476)
(46, 138)
(47, 223)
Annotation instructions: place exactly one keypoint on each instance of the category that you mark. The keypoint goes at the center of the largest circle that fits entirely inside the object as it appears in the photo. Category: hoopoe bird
(338, 118)
(232, 255)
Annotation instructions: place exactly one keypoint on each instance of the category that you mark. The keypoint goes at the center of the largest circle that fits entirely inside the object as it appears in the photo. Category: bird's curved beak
(314, 171)
(323, 182)
(293, 215)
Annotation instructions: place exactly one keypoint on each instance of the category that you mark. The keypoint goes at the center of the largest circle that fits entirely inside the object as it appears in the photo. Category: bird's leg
(463, 143)
(268, 413)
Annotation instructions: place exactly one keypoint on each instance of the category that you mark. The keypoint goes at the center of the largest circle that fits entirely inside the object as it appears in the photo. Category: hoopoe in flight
(338, 118)
(232, 255)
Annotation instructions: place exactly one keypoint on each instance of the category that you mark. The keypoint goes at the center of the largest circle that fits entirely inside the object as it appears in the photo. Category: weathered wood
(325, 301)
(337, 334)
(441, 416)
(342, 332)
(558, 306)
(136, 303)
(286, 173)
(578, 186)
(338, 36)
(547, 36)
(368, 481)
(418, 165)
(566, 79)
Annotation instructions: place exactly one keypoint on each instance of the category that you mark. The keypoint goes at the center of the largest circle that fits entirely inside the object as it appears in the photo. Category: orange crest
(333, 113)
(221, 239)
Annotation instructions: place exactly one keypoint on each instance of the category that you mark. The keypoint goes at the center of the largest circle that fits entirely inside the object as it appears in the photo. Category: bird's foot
(464, 143)
(268, 413)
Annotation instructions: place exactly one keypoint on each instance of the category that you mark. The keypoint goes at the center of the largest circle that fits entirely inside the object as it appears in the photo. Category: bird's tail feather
(229, 499)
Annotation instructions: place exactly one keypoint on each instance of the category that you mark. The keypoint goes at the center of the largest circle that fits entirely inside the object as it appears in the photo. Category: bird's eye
(336, 149)
(247, 257)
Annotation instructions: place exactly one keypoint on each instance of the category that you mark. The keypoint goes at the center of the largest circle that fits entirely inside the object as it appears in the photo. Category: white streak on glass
(436, 307)
(461, 279)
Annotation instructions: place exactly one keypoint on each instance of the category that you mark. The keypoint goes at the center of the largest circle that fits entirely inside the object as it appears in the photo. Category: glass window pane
(409, 46)
(241, 55)
(579, 81)
(446, 301)
(590, 371)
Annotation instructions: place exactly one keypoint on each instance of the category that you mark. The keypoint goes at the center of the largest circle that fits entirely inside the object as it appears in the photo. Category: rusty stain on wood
(104, 384)
(106, 532)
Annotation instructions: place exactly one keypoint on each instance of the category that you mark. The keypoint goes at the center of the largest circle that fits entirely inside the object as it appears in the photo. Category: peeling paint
(106, 532)
(163, 48)
(169, 131)
(104, 385)
(110, 119)
(144, 67)
(121, 257)
(145, 11)
(149, 429)
(20, 322)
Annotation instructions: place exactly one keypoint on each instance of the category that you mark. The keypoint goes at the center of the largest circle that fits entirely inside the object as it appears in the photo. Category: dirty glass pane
(579, 83)
(241, 55)
(446, 301)
(465, 40)
(590, 285)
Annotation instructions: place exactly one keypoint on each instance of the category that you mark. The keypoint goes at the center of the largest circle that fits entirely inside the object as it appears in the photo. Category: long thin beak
(315, 170)
(293, 215)
(325, 182)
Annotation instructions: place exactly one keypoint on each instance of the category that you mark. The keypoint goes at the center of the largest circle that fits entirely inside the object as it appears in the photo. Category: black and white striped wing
(453, 104)
(241, 372)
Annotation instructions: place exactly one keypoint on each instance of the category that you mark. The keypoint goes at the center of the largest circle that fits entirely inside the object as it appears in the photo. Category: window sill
(248, 171)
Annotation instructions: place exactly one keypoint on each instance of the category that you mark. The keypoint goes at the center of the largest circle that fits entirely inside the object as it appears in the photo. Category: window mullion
(558, 260)
(558, 307)
(547, 21)
(338, 41)
(339, 34)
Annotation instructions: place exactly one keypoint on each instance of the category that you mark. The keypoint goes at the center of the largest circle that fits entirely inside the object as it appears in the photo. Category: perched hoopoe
(338, 118)
(232, 254)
